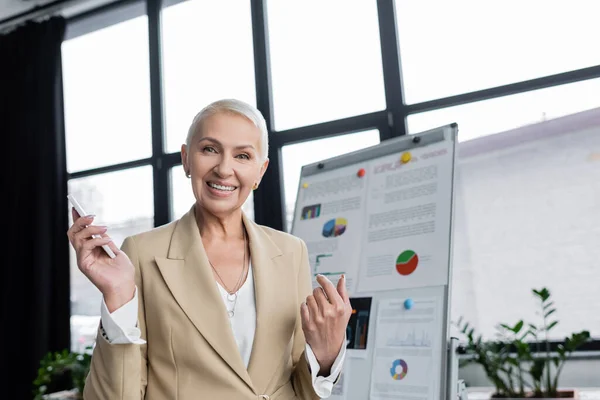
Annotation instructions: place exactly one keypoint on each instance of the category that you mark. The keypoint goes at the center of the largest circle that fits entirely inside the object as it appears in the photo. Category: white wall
(528, 216)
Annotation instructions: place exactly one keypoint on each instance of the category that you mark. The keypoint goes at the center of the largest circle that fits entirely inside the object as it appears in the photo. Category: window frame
(269, 205)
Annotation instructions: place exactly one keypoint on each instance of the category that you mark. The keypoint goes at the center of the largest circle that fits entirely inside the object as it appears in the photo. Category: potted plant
(517, 367)
(60, 371)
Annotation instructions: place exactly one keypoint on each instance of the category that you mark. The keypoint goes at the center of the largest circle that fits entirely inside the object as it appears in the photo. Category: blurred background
(97, 96)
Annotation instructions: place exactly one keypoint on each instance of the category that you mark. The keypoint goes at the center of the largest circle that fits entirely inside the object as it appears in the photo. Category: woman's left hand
(325, 316)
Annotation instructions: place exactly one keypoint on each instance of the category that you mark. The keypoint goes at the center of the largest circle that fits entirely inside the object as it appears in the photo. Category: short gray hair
(236, 107)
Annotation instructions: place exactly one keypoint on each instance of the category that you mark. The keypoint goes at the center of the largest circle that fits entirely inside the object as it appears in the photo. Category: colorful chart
(407, 262)
(335, 227)
(310, 212)
(398, 376)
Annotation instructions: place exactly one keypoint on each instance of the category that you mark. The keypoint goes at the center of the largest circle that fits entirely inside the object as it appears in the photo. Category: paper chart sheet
(407, 359)
(330, 216)
(406, 240)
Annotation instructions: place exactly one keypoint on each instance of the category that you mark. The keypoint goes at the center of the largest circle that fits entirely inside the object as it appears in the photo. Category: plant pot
(562, 394)
(64, 395)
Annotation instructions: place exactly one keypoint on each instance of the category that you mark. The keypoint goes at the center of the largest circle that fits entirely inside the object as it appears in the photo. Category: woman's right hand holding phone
(114, 277)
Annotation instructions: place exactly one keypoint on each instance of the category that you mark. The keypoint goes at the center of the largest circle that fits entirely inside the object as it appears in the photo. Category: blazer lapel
(188, 274)
(276, 306)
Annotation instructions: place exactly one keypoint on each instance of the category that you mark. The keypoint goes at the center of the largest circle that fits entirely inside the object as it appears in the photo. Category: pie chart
(399, 370)
(335, 227)
(407, 262)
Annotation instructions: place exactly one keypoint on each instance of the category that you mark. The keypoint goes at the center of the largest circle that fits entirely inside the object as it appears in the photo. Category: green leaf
(543, 294)
(517, 327)
(576, 340)
(533, 327)
(548, 313)
(524, 335)
(465, 328)
(552, 325)
(505, 326)
(548, 305)
(537, 369)
(556, 361)
(54, 365)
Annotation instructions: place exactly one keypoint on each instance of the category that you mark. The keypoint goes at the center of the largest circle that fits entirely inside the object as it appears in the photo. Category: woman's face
(224, 162)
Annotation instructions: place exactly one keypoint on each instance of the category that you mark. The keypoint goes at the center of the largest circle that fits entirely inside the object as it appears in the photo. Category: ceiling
(10, 8)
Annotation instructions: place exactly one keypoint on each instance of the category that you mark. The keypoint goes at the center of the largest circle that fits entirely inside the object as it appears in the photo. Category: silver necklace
(233, 295)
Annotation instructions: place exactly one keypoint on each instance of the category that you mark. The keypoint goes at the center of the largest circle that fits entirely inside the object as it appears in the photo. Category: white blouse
(243, 321)
(120, 327)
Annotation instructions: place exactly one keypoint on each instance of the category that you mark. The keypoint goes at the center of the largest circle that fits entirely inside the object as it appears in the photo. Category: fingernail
(90, 216)
(343, 276)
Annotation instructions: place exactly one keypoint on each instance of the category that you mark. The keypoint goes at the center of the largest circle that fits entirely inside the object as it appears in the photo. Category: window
(107, 96)
(125, 210)
(527, 217)
(295, 156)
(183, 197)
(208, 55)
(526, 199)
(458, 47)
(504, 113)
(325, 61)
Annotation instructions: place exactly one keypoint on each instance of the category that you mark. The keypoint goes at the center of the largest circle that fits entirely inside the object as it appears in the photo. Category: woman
(213, 305)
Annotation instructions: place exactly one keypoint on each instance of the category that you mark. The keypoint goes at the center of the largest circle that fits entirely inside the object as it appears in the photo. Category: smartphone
(82, 213)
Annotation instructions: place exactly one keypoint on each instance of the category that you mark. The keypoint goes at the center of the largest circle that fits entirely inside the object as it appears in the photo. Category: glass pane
(182, 196)
(504, 113)
(126, 212)
(107, 96)
(527, 217)
(325, 61)
(208, 55)
(295, 156)
(457, 46)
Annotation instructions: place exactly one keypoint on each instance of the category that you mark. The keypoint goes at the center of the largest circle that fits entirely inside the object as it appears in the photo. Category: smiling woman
(247, 322)
(225, 167)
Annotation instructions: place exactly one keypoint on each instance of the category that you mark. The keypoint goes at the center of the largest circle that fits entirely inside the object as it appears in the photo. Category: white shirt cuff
(120, 327)
(323, 385)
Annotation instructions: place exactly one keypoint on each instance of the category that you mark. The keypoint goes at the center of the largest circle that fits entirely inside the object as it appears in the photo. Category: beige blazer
(191, 352)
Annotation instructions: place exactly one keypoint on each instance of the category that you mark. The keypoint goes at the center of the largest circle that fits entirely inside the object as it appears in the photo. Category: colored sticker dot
(361, 172)
(405, 157)
(305, 185)
(408, 303)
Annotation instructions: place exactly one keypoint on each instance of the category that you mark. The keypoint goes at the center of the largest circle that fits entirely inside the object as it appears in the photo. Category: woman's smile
(220, 189)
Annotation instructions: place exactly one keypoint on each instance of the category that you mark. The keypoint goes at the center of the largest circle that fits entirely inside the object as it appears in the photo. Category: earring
(188, 175)
(255, 186)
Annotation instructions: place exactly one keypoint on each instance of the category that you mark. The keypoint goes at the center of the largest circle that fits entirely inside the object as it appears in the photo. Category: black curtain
(35, 254)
